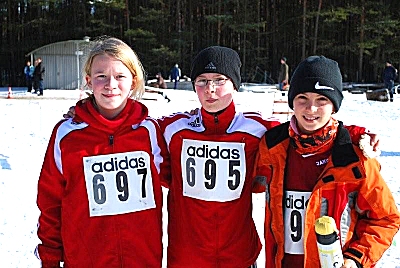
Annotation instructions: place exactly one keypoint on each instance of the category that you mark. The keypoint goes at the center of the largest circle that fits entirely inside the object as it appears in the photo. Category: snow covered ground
(27, 121)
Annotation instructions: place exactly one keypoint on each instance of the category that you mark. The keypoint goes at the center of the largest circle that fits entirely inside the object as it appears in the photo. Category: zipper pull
(216, 119)
(111, 140)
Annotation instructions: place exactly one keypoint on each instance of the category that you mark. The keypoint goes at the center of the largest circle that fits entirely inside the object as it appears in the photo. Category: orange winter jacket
(363, 206)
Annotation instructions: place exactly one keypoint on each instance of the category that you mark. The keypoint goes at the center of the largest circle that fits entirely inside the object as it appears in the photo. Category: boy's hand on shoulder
(70, 113)
(374, 141)
(369, 144)
(195, 111)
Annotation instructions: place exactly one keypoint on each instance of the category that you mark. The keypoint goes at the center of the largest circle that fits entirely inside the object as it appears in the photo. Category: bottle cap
(325, 225)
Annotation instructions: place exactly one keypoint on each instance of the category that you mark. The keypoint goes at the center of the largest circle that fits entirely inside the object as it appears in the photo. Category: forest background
(360, 34)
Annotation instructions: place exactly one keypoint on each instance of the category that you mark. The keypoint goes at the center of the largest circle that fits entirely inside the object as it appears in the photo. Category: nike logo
(307, 155)
(317, 86)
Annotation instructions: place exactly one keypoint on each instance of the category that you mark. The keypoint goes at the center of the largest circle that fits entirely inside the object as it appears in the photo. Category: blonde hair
(121, 51)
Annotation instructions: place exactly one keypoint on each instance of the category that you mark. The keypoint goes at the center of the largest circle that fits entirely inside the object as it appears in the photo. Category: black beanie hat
(320, 75)
(216, 59)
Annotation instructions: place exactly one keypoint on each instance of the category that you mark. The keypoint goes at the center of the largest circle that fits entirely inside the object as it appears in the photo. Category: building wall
(60, 62)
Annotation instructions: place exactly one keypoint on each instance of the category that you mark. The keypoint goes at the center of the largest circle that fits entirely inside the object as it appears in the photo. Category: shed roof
(84, 40)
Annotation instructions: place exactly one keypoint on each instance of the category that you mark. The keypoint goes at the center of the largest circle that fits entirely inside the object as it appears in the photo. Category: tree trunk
(316, 27)
(128, 16)
(361, 48)
(303, 39)
(275, 32)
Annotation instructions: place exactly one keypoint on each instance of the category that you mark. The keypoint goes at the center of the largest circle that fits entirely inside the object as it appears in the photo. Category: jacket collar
(220, 121)
(133, 113)
(343, 152)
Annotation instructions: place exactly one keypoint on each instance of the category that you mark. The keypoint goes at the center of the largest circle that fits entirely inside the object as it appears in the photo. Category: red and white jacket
(99, 191)
(210, 191)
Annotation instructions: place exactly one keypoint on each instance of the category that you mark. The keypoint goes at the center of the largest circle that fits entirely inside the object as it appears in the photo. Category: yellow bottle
(329, 248)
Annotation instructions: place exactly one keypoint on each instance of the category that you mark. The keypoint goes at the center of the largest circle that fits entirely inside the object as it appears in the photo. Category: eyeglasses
(216, 82)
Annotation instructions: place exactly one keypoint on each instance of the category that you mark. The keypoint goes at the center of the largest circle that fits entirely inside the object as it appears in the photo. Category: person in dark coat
(175, 75)
(38, 76)
(28, 71)
(389, 75)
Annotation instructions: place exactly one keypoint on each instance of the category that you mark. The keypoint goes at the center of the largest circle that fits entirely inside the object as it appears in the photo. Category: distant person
(28, 71)
(160, 81)
(175, 75)
(38, 76)
(389, 75)
(283, 77)
(99, 190)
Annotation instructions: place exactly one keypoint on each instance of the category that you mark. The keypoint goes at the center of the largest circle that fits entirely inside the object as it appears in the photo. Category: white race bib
(295, 210)
(213, 171)
(118, 183)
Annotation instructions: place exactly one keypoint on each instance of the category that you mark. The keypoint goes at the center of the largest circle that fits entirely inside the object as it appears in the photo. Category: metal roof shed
(63, 63)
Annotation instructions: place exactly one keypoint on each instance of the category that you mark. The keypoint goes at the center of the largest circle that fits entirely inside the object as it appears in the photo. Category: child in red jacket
(99, 191)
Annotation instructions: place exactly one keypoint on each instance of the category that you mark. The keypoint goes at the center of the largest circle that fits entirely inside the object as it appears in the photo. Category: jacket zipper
(216, 121)
(111, 141)
(121, 257)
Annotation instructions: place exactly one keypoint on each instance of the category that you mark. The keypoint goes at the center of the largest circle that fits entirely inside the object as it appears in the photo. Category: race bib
(213, 171)
(295, 211)
(118, 183)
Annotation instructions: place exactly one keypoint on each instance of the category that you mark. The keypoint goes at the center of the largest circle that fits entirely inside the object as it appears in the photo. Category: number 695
(210, 173)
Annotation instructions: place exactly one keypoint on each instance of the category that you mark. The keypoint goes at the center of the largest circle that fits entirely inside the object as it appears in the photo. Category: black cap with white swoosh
(317, 74)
